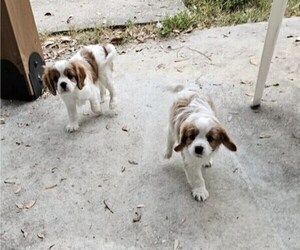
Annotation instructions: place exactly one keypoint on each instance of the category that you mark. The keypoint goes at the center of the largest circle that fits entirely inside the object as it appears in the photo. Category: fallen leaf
(253, 61)
(137, 218)
(51, 246)
(123, 169)
(276, 84)
(124, 128)
(10, 181)
(249, 94)
(117, 40)
(140, 206)
(297, 39)
(30, 204)
(289, 36)
(139, 50)
(51, 186)
(161, 66)
(245, 82)
(69, 18)
(41, 236)
(263, 136)
(2, 121)
(132, 162)
(20, 205)
(65, 39)
(48, 14)
(25, 234)
(18, 190)
(176, 244)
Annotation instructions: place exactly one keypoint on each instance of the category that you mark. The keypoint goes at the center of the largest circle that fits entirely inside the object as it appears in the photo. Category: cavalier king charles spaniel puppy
(195, 131)
(85, 77)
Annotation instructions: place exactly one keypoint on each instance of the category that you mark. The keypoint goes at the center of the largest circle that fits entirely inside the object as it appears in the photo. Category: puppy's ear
(225, 139)
(50, 78)
(79, 74)
(188, 133)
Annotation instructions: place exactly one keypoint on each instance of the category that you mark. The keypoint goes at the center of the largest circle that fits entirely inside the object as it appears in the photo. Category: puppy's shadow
(174, 170)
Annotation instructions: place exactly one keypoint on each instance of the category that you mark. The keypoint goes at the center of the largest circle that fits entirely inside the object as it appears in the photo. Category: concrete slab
(254, 193)
(89, 13)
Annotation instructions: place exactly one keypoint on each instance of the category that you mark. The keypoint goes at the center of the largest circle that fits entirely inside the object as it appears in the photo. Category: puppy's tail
(175, 89)
(110, 53)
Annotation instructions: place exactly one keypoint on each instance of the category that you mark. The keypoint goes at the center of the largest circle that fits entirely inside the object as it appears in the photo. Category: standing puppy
(197, 132)
(83, 78)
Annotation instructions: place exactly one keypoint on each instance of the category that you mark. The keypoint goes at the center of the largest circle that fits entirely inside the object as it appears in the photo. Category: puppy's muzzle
(199, 150)
(63, 85)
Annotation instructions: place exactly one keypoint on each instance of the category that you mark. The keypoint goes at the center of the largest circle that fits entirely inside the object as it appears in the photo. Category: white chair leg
(277, 13)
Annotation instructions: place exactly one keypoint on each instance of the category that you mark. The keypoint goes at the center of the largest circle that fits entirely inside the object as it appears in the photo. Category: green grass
(207, 13)
(181, 21)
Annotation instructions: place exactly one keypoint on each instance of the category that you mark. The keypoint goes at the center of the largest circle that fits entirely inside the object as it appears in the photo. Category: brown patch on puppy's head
(90, 58)
(188, 133)
(76, 73)
(218, 135)
(50, 79)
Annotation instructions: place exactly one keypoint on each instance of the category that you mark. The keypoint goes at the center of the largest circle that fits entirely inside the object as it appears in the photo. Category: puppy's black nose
(63, 85)
(198, 150)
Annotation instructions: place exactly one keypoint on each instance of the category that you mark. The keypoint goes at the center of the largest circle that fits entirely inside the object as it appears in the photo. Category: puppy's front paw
(72, 127)
(200, 194)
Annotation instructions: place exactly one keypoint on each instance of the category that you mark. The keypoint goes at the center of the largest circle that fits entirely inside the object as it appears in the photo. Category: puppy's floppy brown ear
(79, 74)
(228, 143)
(188, 132)
(50, 77)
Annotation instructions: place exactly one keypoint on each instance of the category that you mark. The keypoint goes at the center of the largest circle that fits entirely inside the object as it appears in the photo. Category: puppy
(85, 77)
(197, 132)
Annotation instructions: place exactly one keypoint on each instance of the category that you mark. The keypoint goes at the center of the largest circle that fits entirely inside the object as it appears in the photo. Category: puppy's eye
(192, 137)
(70, 76)
(210, 138)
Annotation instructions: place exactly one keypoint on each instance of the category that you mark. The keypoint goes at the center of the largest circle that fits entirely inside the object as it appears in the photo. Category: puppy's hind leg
(102, 93)
(170, 144)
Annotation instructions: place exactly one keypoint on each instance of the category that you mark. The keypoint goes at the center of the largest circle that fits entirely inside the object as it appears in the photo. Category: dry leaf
(123, 169)
(48, 14)
(297, 39)
(20, 205)
(137, 218)
(69, 18)
(51, 186)
(161, 66)
(140, 206)
(65, 39)
(18, 190)
(30, 204)
(132, 162)
(263, 136)
(9, 181)
(2, 121)
(249, 94)
(41, 236)
(117, 40)
(253, 61)
(124, 128)
(25, 234)
(176, 244)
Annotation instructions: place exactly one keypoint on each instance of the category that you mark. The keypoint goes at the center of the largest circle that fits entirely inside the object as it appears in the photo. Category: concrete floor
(88, 13)
(254, 193)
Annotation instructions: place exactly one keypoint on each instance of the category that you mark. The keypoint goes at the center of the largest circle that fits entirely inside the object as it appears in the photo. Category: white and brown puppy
(83, 78)
(197, 132)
